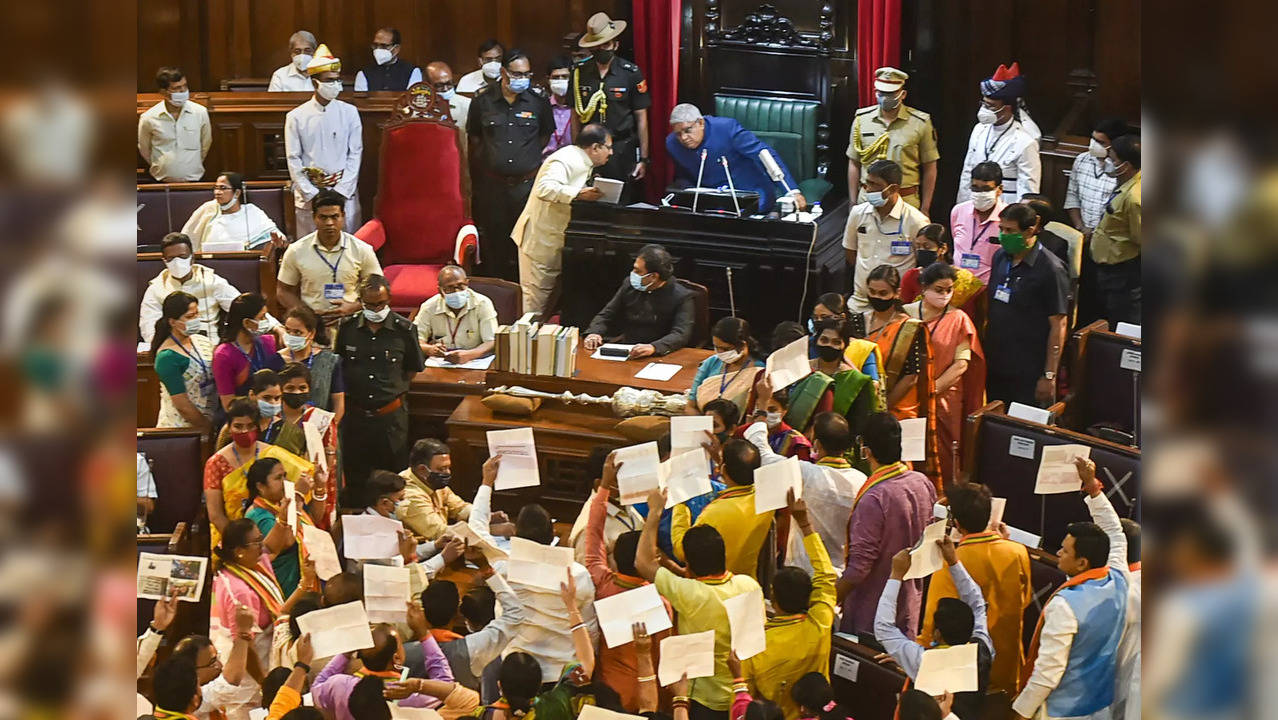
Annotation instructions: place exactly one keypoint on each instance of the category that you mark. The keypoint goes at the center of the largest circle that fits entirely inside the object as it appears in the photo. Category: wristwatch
(644, 160)
(1049, 374)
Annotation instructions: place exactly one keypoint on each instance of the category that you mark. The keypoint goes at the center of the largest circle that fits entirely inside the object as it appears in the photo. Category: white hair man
(292, 77)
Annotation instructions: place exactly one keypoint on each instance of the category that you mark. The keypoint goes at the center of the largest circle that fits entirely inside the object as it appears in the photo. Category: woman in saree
(225, 472)
(247, 346)
(835, 384)
(183, 361)
(731, 372)
(958, 364)
(299, 410)
(267, 506)
(266, 393)
(228, 223)
(861, 354)
(244, 577)
(932, 245)
(303, 336)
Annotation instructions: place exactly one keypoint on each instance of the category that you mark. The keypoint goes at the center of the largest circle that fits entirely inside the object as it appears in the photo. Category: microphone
(774, 170)
(696, 192)
(732, 189)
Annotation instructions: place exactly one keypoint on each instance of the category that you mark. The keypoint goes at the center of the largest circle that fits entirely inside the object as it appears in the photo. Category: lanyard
(976, 237)
(240, 463)
(725, 381)
(310, 358)
(452, 331)
(331, 266)
(989, 146)
(899, 224)
(194, 355)
(254, 363)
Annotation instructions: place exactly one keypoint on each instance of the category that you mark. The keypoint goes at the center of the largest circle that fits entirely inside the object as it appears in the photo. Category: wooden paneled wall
(215, 40)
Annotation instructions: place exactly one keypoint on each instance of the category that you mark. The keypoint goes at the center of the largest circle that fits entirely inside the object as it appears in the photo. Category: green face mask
(1012, 242)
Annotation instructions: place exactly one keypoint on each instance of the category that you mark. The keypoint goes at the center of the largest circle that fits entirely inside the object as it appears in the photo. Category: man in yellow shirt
(1001, 568)
(1116, 240)
(429, 505)
(731, 512)
(798, 636)
(697, 599)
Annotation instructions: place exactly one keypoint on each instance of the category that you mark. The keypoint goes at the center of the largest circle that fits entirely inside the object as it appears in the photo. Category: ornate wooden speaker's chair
(421, 215)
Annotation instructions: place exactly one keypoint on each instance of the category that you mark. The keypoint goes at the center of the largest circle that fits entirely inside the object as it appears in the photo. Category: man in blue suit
(690, 133)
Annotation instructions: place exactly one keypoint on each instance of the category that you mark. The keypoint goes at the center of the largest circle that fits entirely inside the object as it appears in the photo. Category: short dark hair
(937, 271)
(833, 432)
(593, 134)
(736, 331)
(786, 332)
(988, 172)
(1112, 127)
(726, 410)
(704, 550)
(970, 506)
(343, 588)
(889, 171)
(382, 654)
(886, 273)
(176, 238)
(839, 324)
(918, 705)
(272, 683)
(489, 44)
(520, 678)
(740, 460)
(303, 712)
(1090, 543)
(257, 474)
(1131, 529)
(813, 693)
(294, 371)
(479, 606)
(624, 550)
(241, 406)
(596, 460)
(263, 379)
(164, 77)
(380, 484)
(1127, 148)
(328, 198)
(394, 33)
(657, 259)
(235, 180)
(791, 589)
(534, 523)
(373, 283)
(1041, 206)
(763, 710)
(425, 450)
(243, 307)
(175, 684)
(882, 435)
(235, 535)
(1021, 214)
(834, 302)
(440, 601)
(307, 603)
(310, 321)
(954, 620)
(513, 55)
(190, 646)
(559, 62)
(366, 701)
(936, 233)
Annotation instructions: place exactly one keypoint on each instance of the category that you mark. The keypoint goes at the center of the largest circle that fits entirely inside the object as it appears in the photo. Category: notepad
(1056, 470)
(659, 372)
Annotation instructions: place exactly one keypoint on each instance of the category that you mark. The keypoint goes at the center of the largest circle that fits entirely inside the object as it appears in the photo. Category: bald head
(438, 72)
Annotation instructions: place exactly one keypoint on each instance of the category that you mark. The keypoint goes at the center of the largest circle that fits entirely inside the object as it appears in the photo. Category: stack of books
(527, 347)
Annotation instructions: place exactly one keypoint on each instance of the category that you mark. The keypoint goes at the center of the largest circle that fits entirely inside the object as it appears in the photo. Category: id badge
(970, 261)
(1003, 294)
(902, 247)
(334, 291)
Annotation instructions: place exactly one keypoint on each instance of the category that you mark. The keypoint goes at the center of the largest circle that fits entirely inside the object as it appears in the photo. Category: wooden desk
(604, 377)
(148, 392)
(433, 396)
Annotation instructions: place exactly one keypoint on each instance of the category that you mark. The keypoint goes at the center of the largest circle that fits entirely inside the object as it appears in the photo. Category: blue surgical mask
(455, 300)
(811, 326)
(636, 281)
(519, 85)
(448, 94)
(267, 408)
(875, 198)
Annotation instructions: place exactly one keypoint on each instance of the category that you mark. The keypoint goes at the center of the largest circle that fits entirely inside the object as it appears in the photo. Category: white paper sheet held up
(685, 476)
(594, 712)
(746, 617)
(338, 629)
(490, 551)
(914, 439)
(1056, 470)
(640, 472)
(773, 482)
(925, 558)
(315, 448)
(320, 548)
(689, 431)
(518, 458)
(610, 188)
(386, 593)
(290, 492)
(692, 654)
(1028, 539)
(951, 669)
(618, 612)
(370, 537)
(997, 506)
(614, 351)
(482, 363)
(660, 372)
(789, 364)
(543, 566)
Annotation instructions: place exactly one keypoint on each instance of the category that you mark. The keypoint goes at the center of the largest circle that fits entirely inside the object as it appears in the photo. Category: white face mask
(377, 316)
(194, 326)
(559, 86)
(180, 98)
(179, 267)
(727, 357)
(263, 326)
(1097, 150)
(492, 69)
(382, 55)
(296, 343)
(229, 204)
(1109, 168)
(936, 299)
(986, 116)
(984, 199)
(773, 419)
(331, 89)
(301, 61)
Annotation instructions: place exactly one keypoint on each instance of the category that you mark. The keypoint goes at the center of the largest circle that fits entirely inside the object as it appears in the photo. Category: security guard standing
(893, 131)
(507, 127)
(612, 91)
(380, 356)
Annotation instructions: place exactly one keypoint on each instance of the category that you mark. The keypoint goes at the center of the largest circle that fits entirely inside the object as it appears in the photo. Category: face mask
(889, 102)
(984, 199)
(559, 86)
(267, 408)
(811, 326)
(986, 116)
(1097, 150)
(1109, 168)
(636, 281)
(228, 205)
(296, 400)
(449, 93)
(924, 257)
(438, 481)
(1013, 243)
(400, 508)
(382, 55)
(604, 56)
(263, 326)
(773, 419)
(882, 304)
(245, 439)
(180, 98)
(301, 61)
(936, 299)
(829, 353)
(193, 326)
(179, 267)
(456, 300)
(296, 343)
(377, 316)
(492, 69)
(330, 90)
(518, 85)
(875, 198)
(728, 357)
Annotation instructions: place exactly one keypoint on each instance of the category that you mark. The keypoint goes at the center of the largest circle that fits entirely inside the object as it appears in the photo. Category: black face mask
(829, 353)
(882, 304)
(604, 56)
(925, 257)
(296, 400)
(438, 481)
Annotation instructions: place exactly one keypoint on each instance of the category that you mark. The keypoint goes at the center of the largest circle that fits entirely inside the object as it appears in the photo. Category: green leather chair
(789, 126)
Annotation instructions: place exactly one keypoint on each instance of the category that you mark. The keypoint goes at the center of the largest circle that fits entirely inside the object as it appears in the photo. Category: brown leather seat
(701, 313)
(507, 297)
(165, 207)
(177, 458)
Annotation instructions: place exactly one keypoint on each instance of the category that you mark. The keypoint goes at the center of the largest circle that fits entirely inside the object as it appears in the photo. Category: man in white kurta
(324, 143)
(539, 231)
(292, 77)
(1004, 134)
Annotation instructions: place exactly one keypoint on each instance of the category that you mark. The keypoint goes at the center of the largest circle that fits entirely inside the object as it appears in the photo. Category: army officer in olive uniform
(891, 130)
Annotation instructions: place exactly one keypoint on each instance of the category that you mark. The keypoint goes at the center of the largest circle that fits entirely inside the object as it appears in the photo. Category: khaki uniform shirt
(308, 265)
(911, 143)
(471, 326)
(1117, 235)
(430, 512)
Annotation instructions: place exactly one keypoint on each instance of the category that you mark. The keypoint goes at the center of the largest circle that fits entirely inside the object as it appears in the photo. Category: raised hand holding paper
(370, 537)
(386, 593)
(160, 575)
(773, 482)
(951, 669)
(914, 439)
(638, 473)
(518, 458)
(320, 548)
(532, 563)
(925, 558)
(688, 431)
(290, 492)
(746, 617)
(789, 364)
(692, 655)
(1056, 470)
(618, 613)
(472, 538)
(997, 506)
(337, 629)
(685, 476)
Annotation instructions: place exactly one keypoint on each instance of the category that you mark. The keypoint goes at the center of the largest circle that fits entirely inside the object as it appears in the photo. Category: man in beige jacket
(539, 231)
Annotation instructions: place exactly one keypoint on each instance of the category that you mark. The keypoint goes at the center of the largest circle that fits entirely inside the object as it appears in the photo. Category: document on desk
(661, 372)
(386, 593)
(610, 188)
(612, 351)
(951, 669)
(518, 458)
(1056, 470)
(789, 364)
(639, 472)
(319, 547)
(926, 558)
(543, 566)
(692, 655)
(914, 439)
(482, 363)
(337, 629)
(370, 537)
(773, 482)
(685, 476)
(746, 617)
(617, 613)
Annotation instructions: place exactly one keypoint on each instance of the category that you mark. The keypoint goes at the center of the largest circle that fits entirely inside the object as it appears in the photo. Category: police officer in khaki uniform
(891, 130)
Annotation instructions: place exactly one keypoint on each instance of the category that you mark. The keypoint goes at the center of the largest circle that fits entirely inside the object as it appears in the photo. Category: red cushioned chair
(421, 215)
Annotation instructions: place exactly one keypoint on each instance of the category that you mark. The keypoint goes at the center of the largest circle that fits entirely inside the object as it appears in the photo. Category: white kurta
(213, 295)
(290, 79)
(1014, 149)
(329, 137)
(247, 229)
(539, 231)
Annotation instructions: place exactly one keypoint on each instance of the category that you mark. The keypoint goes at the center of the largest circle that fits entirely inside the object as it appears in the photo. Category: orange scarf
(266, 587)
(443, 635)
(1032, 655)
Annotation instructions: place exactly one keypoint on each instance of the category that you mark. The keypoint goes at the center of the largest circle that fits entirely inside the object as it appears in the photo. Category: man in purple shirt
(334, 685)
(889, 514)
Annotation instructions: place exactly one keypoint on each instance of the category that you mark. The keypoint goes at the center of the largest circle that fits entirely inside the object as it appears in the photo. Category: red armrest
(467, 245)
(373, 232)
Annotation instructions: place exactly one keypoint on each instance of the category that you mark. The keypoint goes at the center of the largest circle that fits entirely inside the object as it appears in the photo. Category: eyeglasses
(519, 75)
(222, 188)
